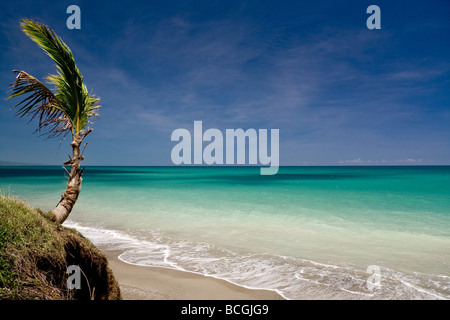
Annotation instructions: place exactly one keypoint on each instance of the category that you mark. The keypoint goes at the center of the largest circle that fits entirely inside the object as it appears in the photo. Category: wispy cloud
(409, 161)
(359, 161)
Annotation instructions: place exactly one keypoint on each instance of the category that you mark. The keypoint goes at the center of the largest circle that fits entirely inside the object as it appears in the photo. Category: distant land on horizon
(15, 163)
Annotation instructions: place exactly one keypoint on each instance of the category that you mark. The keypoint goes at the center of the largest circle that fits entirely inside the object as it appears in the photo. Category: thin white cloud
(360, 161)
(409, 161)
(352, 161)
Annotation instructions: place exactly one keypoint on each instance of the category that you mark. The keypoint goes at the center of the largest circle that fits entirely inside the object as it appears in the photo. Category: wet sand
(152, 283)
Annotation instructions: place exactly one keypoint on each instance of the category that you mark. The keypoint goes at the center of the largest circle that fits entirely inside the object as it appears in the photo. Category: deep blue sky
(338, 92)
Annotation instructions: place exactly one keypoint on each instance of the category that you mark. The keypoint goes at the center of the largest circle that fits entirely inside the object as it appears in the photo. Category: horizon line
(225, 165)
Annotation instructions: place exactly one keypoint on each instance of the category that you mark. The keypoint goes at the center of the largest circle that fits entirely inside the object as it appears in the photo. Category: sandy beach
(152, 283)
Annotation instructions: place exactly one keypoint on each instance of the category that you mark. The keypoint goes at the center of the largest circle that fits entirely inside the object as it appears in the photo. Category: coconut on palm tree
(66, 108)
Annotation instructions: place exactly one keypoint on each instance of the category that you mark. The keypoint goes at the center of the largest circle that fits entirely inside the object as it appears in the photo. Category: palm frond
(75, 101)
(40, 103)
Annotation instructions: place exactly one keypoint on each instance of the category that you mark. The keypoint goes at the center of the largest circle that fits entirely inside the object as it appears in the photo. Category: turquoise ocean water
(307, 232)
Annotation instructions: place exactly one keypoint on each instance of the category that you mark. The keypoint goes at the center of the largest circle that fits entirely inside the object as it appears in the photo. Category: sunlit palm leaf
(71, 105)
(41, 103)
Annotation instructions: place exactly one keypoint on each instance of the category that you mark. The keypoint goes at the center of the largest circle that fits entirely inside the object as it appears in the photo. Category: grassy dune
(35, 253)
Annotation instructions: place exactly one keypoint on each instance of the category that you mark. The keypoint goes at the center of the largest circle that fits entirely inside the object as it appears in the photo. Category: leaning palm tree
(68, 108)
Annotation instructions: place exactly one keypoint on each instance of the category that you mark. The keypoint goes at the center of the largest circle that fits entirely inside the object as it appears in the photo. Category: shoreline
(156, 283)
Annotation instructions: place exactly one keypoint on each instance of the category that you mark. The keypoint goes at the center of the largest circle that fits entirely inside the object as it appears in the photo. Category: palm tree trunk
(70, 196)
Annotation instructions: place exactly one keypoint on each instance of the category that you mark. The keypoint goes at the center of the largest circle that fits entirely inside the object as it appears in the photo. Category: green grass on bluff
(35, 253)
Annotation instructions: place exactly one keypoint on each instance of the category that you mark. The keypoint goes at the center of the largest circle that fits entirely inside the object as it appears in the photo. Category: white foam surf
(293, 278)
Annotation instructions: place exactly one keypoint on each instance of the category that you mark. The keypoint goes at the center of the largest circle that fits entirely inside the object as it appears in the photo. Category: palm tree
(68, 108)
